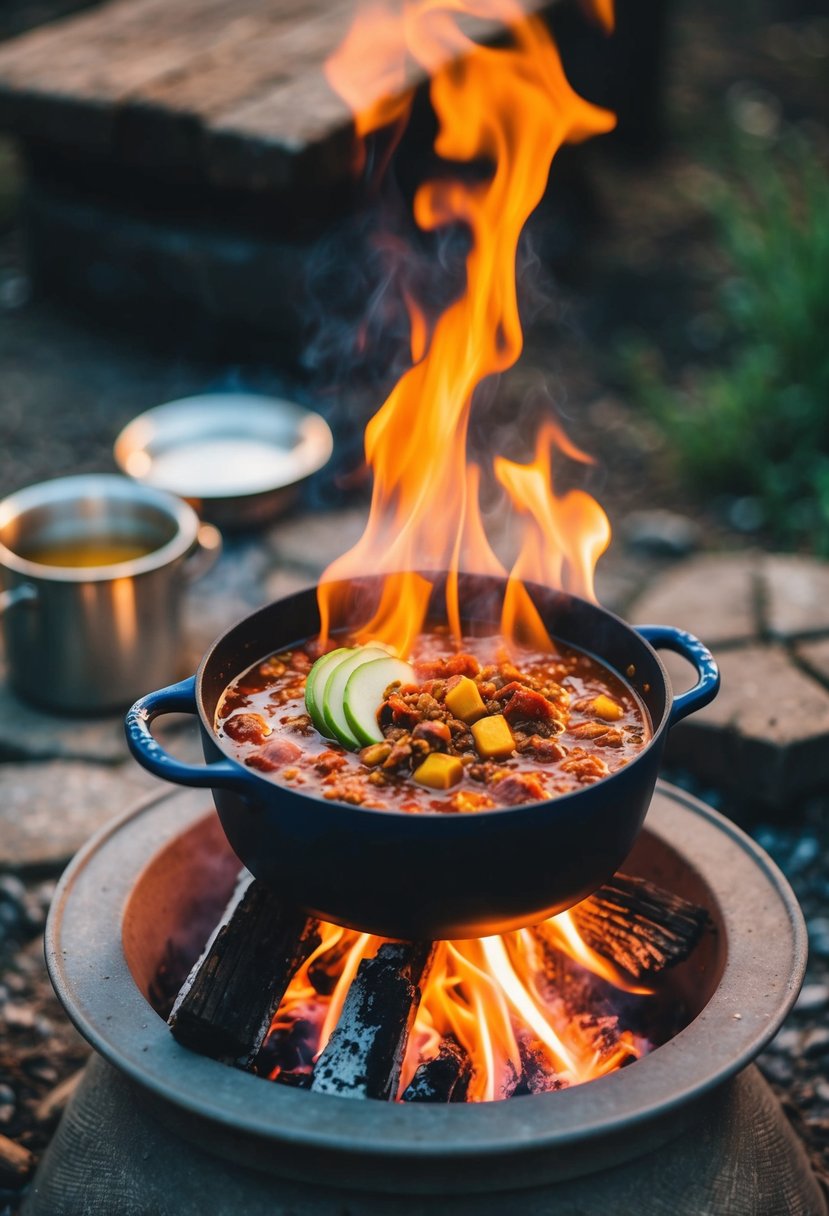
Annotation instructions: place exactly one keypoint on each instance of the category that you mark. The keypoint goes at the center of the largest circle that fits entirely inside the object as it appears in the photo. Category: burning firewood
(639, 926)
(226, 1004)
(444, 1078)
(364, 1055)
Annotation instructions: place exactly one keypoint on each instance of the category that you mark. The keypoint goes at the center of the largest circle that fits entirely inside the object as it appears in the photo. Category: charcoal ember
(536, 1075)
(287, 1055)
(444, 1078)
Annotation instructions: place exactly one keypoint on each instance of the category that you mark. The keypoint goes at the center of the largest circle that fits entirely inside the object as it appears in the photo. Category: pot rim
(658, 731)
(759, 983)
(105, 486)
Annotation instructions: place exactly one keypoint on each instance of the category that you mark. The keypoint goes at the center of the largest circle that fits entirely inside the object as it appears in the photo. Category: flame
(490, 995)
(508, 108)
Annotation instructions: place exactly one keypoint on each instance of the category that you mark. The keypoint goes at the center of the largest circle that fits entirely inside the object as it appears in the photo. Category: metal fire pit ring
(428, 1149)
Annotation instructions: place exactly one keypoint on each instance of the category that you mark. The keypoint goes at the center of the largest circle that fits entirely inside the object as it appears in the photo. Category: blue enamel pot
(430, 875)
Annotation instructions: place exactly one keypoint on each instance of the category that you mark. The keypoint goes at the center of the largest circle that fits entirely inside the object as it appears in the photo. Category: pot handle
(666, 637)
(204, 554)
(175, 699)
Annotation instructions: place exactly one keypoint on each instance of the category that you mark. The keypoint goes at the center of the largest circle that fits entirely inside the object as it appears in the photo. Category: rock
(312, 541)
(777, 1069)
(661, 533)
(28, 733)
(816, 1043)
(50, 1107)
(765, 734)
(713, 596)
(282, 583)
(19, 1017)
(795, 596)
(8, 1104)
(812, 997)
(819, 936)
(48, 810)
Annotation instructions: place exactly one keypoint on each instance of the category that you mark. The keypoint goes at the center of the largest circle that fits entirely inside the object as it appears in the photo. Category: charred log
(444, 1078)
(226, 1004)
(639, 926)
(364, 1055)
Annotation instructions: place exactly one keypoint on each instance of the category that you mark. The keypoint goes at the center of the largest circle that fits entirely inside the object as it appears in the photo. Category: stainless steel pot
(86, 638)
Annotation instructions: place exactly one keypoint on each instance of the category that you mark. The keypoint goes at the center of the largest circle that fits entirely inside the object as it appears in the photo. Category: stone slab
(49, 809)
(795, 596)
(32, 734)
(765, 735)
(713, 596)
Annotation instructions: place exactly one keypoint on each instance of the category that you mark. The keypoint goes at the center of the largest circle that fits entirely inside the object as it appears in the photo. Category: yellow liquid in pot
(80, 554)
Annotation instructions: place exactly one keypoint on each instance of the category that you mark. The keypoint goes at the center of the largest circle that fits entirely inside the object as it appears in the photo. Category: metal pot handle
(25, 593)
(176, 699)
(204, 554)
(698, 655)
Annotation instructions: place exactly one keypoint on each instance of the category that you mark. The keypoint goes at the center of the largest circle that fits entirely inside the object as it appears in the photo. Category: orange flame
(510, 108)
(489, 995)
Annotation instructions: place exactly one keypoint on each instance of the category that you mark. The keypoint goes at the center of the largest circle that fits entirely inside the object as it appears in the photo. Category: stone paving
(766, 618)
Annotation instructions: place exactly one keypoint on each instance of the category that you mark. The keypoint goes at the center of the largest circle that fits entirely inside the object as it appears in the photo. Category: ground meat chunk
(546, 751)
(584, 766)
(274, 755)
(247, 728)
(588, 730)
(436, 734)
(518, 788)
(330, 762)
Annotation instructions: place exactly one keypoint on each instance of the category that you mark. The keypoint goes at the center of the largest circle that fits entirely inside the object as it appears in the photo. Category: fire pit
(157, 1128)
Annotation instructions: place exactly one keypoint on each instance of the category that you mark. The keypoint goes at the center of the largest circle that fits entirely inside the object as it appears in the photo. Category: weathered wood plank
(639, 926)
(230, 92)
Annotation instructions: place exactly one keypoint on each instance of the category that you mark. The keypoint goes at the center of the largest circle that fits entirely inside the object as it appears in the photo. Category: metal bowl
(237, 458)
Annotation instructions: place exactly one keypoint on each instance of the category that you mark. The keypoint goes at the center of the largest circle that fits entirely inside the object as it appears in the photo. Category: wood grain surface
(231, 91)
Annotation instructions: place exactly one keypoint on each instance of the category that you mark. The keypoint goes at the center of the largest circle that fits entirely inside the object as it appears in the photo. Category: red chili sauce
(573, 721)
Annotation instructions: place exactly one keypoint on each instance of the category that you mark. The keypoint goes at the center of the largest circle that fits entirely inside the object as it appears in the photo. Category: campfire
(314, 1005)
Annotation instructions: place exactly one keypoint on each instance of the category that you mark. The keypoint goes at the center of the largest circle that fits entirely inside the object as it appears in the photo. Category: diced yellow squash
(607, 709)
(493, 737)
(465, 701)
(439, 771)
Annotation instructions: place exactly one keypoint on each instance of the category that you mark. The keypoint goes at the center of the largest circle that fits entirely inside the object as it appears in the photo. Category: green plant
(759, 425)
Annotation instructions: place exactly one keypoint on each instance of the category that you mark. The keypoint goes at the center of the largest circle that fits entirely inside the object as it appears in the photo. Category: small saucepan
(430, 875)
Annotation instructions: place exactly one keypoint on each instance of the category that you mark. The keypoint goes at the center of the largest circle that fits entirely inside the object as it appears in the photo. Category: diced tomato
(526, 705)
